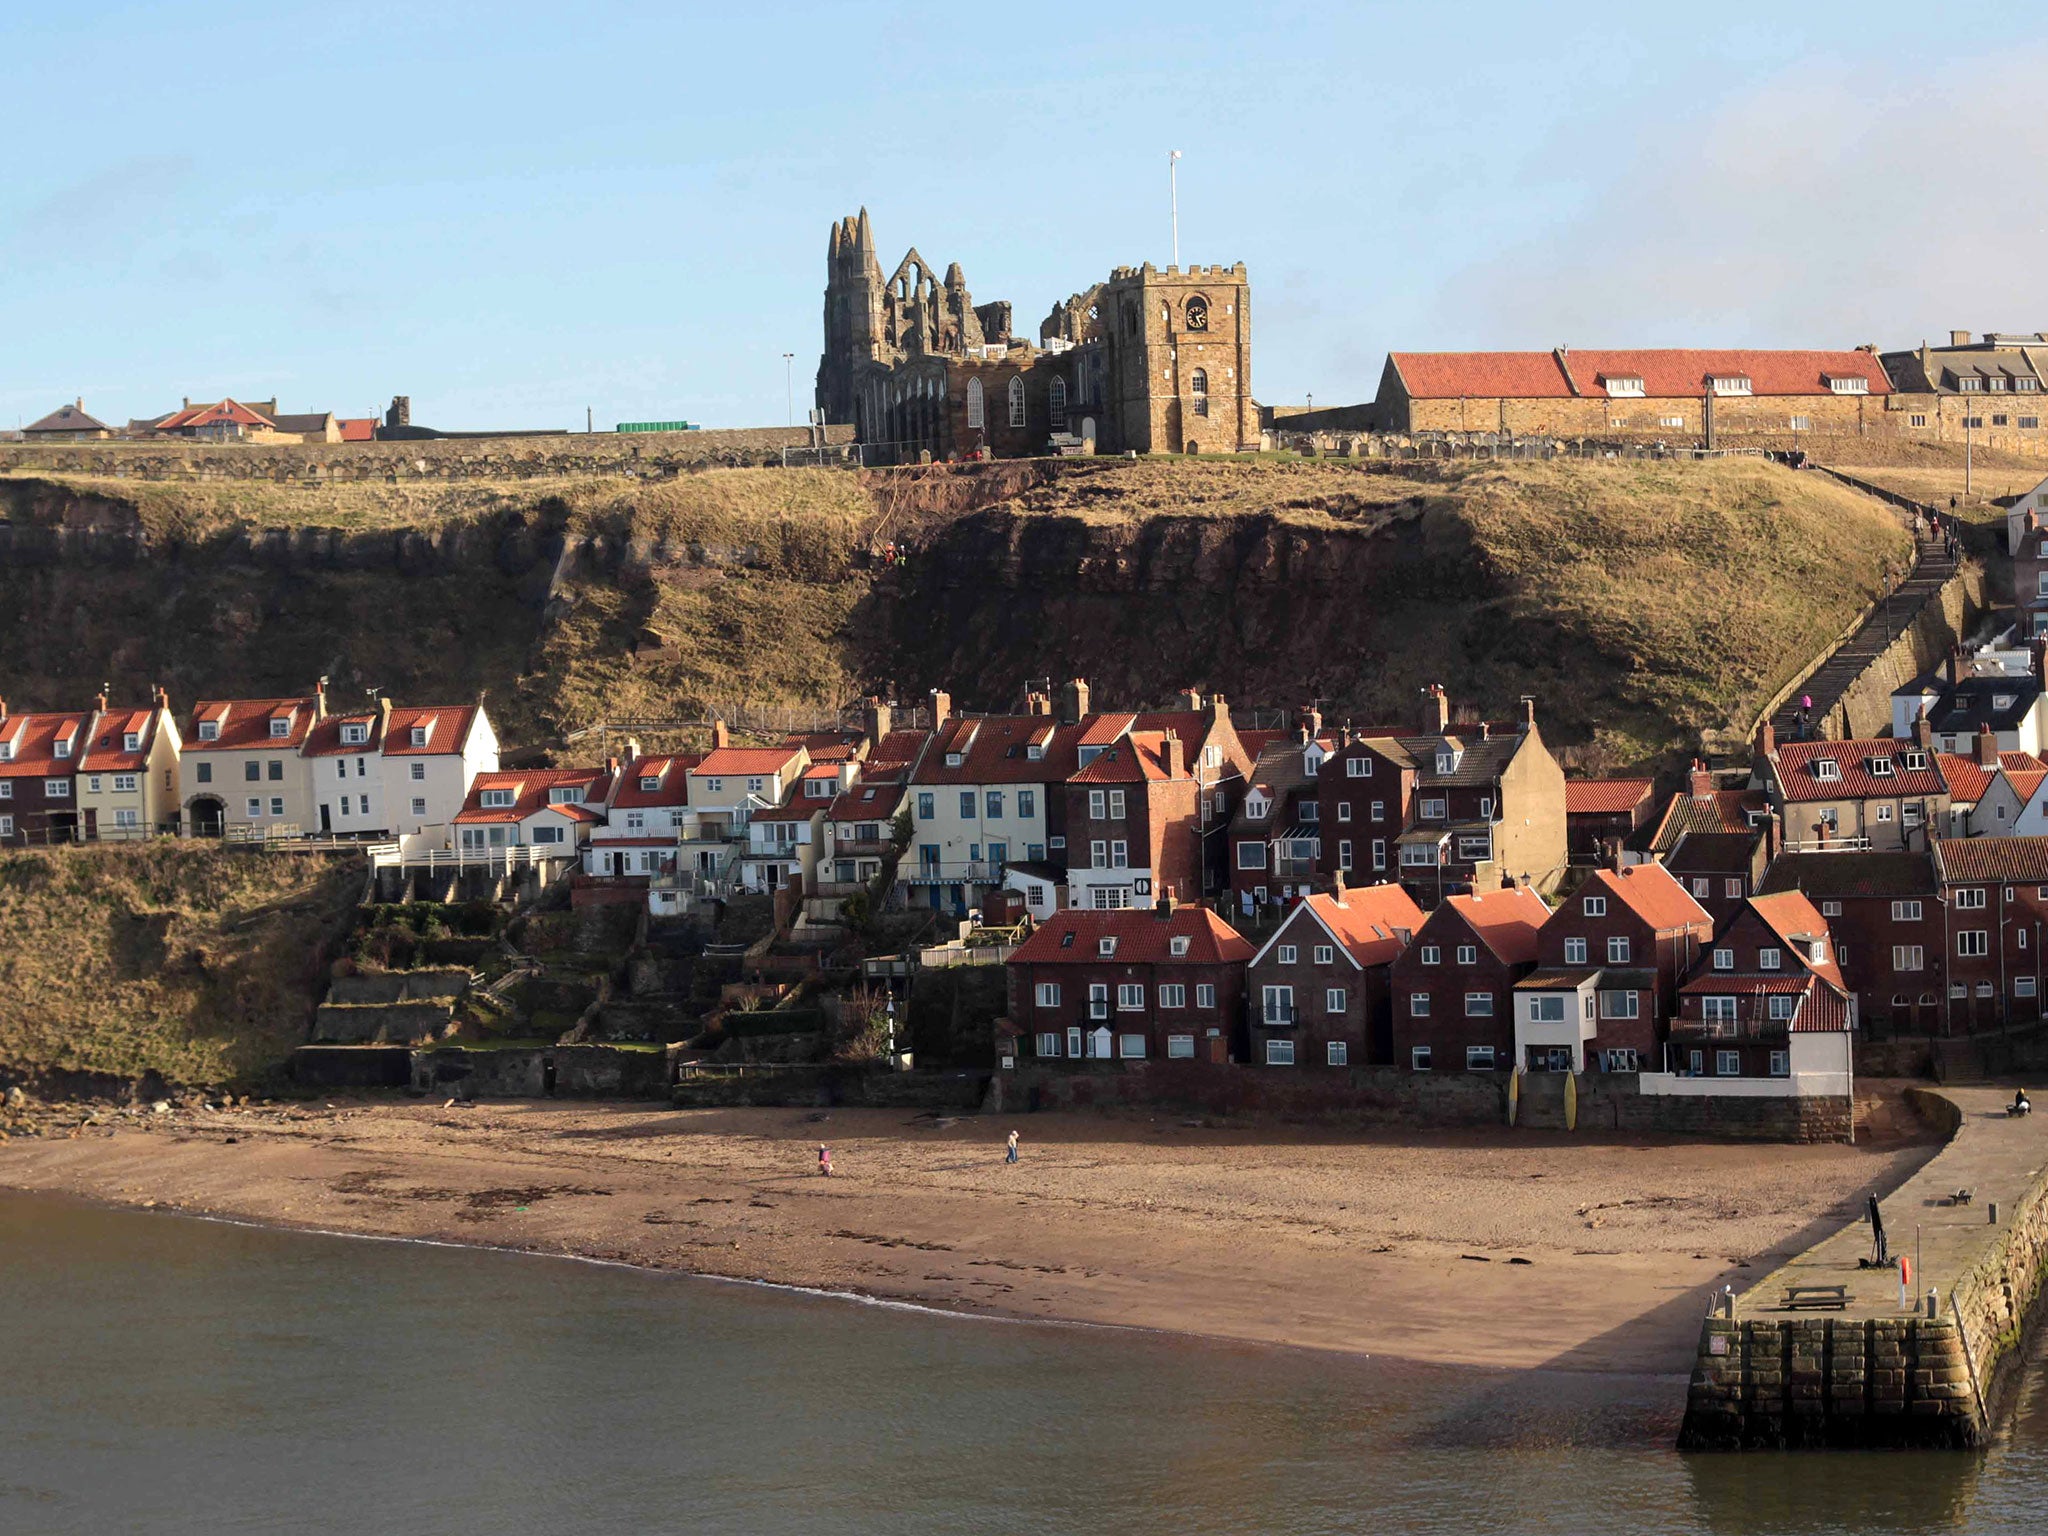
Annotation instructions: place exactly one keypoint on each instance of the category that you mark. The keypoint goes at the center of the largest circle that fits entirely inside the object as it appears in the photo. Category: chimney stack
(1337, 885)
(2037, 652)
(1987, 748)
(1036, 703)
(1773, 834)
(876, 718)
(942, 708)
(1436, 714)
(1311, 722)
(1188, 700)
(1767, 740)
(1218, 709)
(1074, 701)
(1699, 782)
(1164, 905)
(720, 736)
(99, 700)
(1923, 729)
(1528, 712)
(1176, 759)
(1955, 666)
(383, 718)
(1959, 338)
(320, 699)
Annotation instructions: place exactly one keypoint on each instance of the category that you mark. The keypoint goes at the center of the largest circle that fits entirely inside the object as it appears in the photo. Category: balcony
(977, 871)
(1699, 1031)
(1273, 1017)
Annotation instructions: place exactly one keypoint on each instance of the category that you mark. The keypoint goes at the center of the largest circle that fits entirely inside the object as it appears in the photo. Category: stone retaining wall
(1830, 1382)
(830, 1085)
(393, 1023)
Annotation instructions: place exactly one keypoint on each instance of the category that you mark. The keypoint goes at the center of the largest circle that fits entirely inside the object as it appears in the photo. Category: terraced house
(240, 769)
(127, 785)
(1453, 986)
(1489, 807)
(1863, 793)
(1319, 989)
(1133, 820)
(39, 757)
(1885, 919)
(1127, 985)
(549, 810)
(1609, 962)
(1994, 915)
(1766, 1005)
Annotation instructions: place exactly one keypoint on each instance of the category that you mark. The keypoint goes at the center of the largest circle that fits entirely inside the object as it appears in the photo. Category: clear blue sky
(512, 211)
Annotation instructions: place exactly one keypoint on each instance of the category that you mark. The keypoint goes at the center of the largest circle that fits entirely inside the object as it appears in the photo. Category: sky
(514, 213)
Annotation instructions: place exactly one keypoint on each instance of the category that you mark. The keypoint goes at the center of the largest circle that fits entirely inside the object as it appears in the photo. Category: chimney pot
(1699, 782)
(1436, 714)
(1528, 711)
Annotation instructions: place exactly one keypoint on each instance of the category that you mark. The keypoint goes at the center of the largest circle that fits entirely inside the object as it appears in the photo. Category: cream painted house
(431, 754)
(240, 769)
(128, 777)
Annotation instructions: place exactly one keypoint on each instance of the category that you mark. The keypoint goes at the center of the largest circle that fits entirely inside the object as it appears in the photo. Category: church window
(1057, 397)
(1199, 385)
(1198, 313)
(1016, 402)
(976, 412)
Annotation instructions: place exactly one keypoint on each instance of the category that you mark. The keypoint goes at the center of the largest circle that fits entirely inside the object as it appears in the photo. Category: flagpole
(1173, 197)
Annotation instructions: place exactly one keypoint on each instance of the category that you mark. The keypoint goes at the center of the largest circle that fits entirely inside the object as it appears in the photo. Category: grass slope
(178, 958)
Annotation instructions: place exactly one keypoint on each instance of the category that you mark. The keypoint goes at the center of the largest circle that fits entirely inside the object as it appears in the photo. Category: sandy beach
(1498, 1248)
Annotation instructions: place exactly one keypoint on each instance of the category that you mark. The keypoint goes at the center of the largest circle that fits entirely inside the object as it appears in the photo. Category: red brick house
(1130, 985)
(1886, 921)
(1994, 913)
(39, 756)
(1603, 813)
(1767, 980)
(1133, 824)
(1702, 806)
(1453, 986)
(1609, 963)
(1365, 796)
(1318, 988)
(1876, 792)
(1720, 870)
(1275, 839)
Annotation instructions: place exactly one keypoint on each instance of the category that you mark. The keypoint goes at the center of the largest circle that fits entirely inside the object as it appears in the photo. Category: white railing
(505, 858)
(1830, 844)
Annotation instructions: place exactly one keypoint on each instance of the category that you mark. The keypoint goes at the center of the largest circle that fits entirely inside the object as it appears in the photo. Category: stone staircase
(1892, 617)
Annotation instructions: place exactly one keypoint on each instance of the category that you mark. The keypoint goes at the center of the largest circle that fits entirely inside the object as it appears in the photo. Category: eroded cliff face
(1265, 611)
(1643, 604)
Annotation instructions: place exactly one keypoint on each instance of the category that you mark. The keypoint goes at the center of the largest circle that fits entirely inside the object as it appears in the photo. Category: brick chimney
(1773, 834)
(99, 700)
(320, 699)
(2037, 654)
(1073, 701)
(1164, 906)
(1954, 669)
(1436, 711)
(942, 708)
(1987, 748)
(1699, 782)
(1188, 700)
(1767, 740)
(1337, 885)
(1923, 729)
(1311, 722)
(1176, 759)
(1528, 712)
(383, 718)
(1218, 709)
(1036, 703)
(720, 736)
(876, 718)
(1959, 338)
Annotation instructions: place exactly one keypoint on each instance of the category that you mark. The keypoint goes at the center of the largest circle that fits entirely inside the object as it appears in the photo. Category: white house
(645, 820)
(550, 809)
(2035, 500)
(431, 755)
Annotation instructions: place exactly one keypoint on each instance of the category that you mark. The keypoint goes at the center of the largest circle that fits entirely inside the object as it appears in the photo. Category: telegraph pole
(789, 388)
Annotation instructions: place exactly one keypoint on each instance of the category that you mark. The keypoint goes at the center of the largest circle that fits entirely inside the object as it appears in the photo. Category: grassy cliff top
(180, 958)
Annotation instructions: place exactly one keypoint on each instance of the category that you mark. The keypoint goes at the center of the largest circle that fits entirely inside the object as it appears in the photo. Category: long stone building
(1150, 360)
(1987, 390)
(1677, 395)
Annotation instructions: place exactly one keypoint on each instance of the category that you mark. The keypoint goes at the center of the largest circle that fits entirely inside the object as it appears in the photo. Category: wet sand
(1495, 1247)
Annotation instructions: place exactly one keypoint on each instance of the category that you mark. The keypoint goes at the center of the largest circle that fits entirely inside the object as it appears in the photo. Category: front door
(1219, 1048)
(326, 817)
(1073, 1042)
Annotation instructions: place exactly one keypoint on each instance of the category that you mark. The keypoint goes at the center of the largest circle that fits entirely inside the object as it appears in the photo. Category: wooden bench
(1797, 1296)
(1962, 1197)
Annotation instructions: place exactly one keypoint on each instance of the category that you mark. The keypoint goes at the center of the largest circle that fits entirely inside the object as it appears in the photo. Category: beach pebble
(16, 1098)
(160, 1107)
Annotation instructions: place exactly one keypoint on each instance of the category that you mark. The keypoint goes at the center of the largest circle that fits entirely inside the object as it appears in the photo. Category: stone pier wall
(1809, 1383)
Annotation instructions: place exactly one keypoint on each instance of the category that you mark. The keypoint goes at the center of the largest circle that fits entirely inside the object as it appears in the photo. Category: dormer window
(1969, 384)
(209, 730)
(280, 728)
(63, 746)
(419, 735)
(355, 735)
(1854, 384)
(2001, 701)
(1916, 762)
(565, 794)
(1881, 767)
(1624, 387)
(1826, 768)
(649, 782)
(1177, 945)
(496, 799)
(1106, 948)
(1728, 383)
(131, 741)
(1033, 750)
(1447, 761)
(955, 759)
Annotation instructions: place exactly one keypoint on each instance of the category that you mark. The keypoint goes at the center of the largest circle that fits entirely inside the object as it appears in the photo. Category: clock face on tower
(1198, 313)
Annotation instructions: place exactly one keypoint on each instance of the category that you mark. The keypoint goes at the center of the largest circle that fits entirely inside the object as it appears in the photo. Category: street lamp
(789, 387)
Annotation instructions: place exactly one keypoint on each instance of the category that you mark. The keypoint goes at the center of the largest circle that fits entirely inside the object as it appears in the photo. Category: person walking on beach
(824, 1160)
(1011, 1155)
